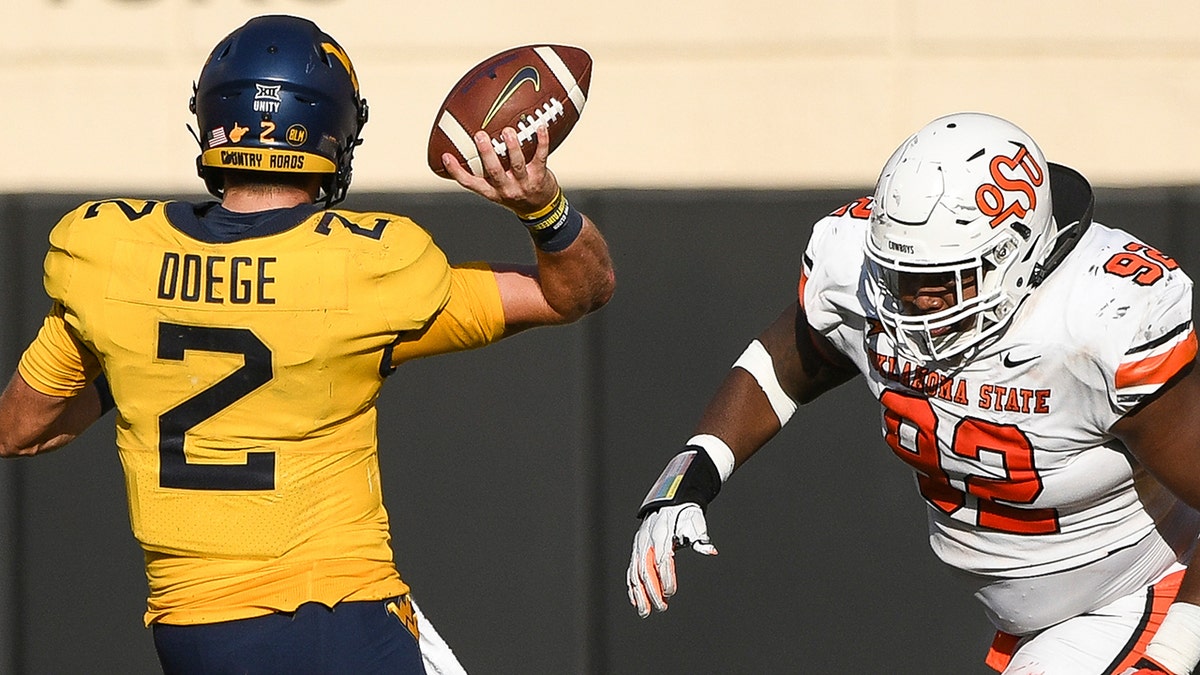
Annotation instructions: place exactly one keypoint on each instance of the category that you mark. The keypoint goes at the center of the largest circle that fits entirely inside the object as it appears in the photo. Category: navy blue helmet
(279, 94)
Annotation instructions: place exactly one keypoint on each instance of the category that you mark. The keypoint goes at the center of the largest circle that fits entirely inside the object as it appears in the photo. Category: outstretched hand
(651, 576)
(524, 188)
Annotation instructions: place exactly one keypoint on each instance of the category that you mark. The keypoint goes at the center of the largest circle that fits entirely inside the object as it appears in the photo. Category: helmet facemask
(967, 198)
(981, 304)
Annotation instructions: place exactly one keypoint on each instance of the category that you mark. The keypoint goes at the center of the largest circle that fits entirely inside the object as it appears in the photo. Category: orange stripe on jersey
(803, 283)
(1159, 368)
(1004, 645)
(1161, 595)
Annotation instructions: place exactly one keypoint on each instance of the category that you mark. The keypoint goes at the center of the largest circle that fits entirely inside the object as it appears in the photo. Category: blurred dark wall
(512, 473)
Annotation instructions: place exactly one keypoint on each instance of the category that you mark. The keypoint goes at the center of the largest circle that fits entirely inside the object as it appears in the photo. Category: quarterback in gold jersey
(243, 344)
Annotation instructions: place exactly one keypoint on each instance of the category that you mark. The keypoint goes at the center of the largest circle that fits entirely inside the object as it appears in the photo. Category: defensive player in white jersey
(1034, 368)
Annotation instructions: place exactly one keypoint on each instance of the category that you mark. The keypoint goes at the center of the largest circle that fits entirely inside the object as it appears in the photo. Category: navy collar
(212, 223)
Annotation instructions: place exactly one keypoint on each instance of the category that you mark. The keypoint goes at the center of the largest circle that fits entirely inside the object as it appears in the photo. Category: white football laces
(527, 128)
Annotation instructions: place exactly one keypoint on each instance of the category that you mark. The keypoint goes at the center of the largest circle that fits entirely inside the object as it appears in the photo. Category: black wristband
(691, 476)
(106, 398)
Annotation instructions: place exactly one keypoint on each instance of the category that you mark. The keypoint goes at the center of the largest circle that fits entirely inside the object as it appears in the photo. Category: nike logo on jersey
(1010, 363)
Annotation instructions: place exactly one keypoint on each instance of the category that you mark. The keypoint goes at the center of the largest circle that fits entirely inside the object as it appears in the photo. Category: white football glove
(651, 576)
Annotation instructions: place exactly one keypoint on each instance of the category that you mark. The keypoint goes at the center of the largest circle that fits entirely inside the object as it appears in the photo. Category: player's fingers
(637, 596)
(633, 583)
(516, 155)
(470, 181)
(666, 574)
(543, 144)
(492, 168)
(693, 531)
(650, 581)
(457, 171)
(642, 580)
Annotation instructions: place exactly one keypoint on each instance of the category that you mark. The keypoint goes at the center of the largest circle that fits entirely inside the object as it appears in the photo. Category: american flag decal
(217, 137)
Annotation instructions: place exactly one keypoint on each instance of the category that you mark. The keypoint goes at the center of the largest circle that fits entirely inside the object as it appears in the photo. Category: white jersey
(1013, 451)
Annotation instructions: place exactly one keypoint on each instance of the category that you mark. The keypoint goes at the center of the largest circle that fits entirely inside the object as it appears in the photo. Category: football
(522, 88)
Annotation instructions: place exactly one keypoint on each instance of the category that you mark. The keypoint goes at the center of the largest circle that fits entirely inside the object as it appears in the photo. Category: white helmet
(967, 195)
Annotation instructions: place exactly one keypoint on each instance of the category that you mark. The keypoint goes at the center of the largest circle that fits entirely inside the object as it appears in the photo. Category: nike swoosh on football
(526, 74)
(1009, 363)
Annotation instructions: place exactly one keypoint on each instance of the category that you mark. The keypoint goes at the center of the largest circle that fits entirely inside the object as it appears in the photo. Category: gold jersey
(246, 374)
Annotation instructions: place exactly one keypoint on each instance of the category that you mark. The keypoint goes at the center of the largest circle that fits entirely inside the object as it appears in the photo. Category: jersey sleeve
(401, 267)
(1162, 344)
(831, 271)
(60, 261)
(472, 317)
(1129, 307)
(56, 363)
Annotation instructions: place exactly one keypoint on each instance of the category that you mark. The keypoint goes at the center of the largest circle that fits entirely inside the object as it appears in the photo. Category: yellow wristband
(542, 212)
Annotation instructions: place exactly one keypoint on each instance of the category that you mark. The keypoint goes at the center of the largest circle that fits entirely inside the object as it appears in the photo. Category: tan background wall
(745, 93)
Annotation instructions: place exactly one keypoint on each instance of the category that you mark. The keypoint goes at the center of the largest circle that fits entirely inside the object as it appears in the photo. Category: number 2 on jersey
(258, 473)
(910, 426)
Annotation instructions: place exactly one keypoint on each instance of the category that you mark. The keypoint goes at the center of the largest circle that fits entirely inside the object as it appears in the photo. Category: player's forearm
(782, 368)
(578, 279)
(33, 423)
(739, 414)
